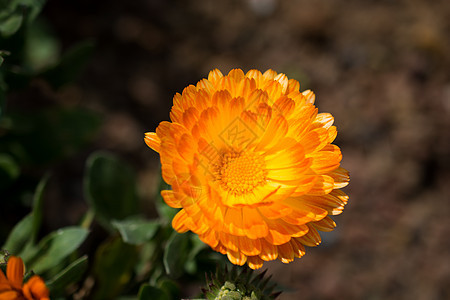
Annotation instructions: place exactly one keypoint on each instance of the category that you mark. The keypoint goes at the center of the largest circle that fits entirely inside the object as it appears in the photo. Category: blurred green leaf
(48, 135)
(176, 253)
(9, 170)
(110, 188)
(42, 48)
(57, 246)
(33, 7)
(37, 207)
(20, 235)
(10, 23)
(71, 274)
(113, 266)
(26, 230)
(70, 65)
(196, 246)
(136, 231)
(170, 287)
(148, 292)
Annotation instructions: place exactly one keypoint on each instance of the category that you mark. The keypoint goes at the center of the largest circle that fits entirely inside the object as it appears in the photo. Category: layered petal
(12, 286)
(252, 166)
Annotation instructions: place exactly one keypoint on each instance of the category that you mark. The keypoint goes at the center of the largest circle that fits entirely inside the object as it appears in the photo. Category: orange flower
(11, 287)
(251, 166)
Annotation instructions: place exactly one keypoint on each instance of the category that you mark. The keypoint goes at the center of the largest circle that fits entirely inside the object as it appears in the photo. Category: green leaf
(20, 235)
(71, 274)
(37, 207)
(42, 48)
(33, 7)
(148, 292)
(9, 170)
(45, 136)
(57, 246)
(170, 287)
(176, 254)
(110, 188)
(136, 231)
(113, 267)
(23, 235)
(11, 24)
(70, 65)
(196, 246)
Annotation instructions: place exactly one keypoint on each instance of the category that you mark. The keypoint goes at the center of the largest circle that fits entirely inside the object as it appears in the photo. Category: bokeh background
(382, 68)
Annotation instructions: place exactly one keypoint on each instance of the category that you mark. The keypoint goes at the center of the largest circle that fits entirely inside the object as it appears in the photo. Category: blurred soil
(380, 67)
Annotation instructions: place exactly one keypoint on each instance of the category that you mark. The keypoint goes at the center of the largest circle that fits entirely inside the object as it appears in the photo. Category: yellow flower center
(240, 172)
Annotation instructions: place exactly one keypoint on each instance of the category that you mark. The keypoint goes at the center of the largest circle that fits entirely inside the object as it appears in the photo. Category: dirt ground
(380, 67)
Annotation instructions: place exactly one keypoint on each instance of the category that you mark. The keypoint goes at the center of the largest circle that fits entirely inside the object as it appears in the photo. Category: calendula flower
(251, 166)
(13, 288)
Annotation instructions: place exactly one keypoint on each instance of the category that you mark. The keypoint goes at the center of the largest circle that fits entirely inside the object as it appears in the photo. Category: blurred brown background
(382, 68)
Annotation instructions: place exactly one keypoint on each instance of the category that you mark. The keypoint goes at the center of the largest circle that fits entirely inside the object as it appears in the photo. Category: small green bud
(230, 286)
(253, 296)
(233, 295)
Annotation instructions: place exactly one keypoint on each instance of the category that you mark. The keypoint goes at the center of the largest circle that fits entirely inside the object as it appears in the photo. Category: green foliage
(113, 268)
(25, 232)
(42, 48)
(20, 235)
(110, 188)
(70, 65)
(176, 254)
(53, 252)
(11, 17)
(13, 12)
(57, 246)
(48, 135)
(136, 231)
(148, 292)
(38, 207)
(165, 290)
(9, 170)
(180, 254)
(72, 273)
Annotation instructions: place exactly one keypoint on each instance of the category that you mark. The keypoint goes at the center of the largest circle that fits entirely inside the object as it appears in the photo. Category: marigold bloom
(251, 166)
(12, 287)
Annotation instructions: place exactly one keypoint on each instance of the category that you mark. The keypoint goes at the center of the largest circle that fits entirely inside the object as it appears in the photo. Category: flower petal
(236, 257)
(152, 140)
(4, 283)
(35, 288)
(179, 222)
(268, 251)
(254, 262)
(286, 253)
(10, 295)
(14, 271)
